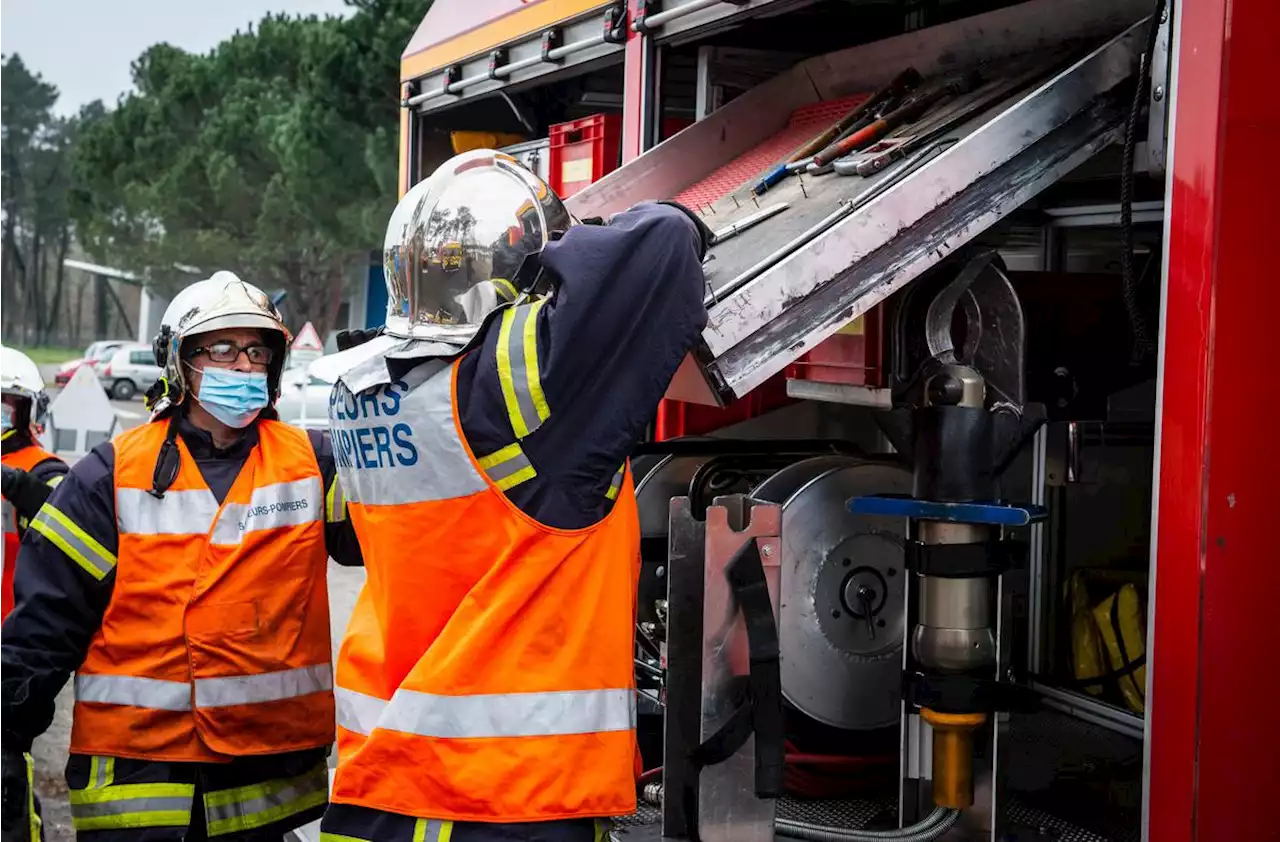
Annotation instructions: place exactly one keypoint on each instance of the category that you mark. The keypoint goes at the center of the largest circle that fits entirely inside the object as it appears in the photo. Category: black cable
(1144, 342)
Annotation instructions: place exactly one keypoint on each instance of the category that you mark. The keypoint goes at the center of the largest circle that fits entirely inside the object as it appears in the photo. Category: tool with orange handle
(907, 113)
(902, 84)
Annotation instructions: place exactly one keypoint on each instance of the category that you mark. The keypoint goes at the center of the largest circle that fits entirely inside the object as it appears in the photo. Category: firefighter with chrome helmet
(30, 471)
(485, 684)
(180, 571)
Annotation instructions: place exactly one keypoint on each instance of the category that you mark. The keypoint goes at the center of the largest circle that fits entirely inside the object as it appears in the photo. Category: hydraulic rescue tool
(960, 433)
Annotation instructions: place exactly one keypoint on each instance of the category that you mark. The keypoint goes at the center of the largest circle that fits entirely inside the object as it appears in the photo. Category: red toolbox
(583, 151)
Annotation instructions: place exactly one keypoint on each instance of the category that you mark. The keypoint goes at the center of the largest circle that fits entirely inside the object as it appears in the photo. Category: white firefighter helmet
(457, 242)
(21, 377)
(222, 301)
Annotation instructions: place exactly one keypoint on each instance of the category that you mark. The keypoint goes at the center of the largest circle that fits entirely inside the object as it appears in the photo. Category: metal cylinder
(956, 385)
(934, 532)
(954, 632)
(952, 756)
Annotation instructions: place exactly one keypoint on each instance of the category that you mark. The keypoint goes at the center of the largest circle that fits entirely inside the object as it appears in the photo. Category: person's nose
(242, 362)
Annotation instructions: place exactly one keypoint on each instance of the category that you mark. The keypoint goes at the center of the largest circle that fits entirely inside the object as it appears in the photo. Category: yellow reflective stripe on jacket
(518, 368)
(335, 503)
(507, 467)
(258, 805)
(615, 484)
(79, 545)
(125, 806)
(102, 771)
(432, 830)
(508, 289)
(55, 481)
(424, 830)
(34, 823)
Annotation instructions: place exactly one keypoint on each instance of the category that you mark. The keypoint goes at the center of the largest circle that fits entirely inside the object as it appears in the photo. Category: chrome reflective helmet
(215, 303)
(20, 376)
(457, 244)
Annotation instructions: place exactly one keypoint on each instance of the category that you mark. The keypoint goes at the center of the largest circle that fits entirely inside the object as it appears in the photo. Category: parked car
(96, 352)
(66, 371)
(129, 370)
(304, 400)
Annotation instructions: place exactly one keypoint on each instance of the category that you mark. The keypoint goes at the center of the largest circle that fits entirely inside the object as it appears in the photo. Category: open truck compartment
(828, 298)
(1046, 95)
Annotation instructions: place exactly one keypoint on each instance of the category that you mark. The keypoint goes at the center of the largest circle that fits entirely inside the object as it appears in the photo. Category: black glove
(704, 233)
(24, 491)
(16, 800)
(348, 339)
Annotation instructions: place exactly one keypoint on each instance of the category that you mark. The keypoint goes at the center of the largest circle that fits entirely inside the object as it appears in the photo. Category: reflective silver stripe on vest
(413, 455)
(267, 687)
(358, 712)
(177, 513)
(134, 691)
(210, 692)
(271, 507)
(258, 805)
(510, 714)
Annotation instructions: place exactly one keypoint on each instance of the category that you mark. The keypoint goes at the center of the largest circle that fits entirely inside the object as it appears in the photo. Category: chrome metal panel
(1091, 710)
(678, 17)
(757, 115)
(686, 547)
(1036, 595)
(816, 390)
(1158, 94)
(728, 809)
(582, 43)
(857, 264)
(938, 181)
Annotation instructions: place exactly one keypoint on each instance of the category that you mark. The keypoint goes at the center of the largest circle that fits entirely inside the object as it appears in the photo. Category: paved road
(50, 750)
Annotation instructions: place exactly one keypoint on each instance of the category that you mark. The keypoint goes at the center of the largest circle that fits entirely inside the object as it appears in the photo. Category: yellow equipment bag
(1120, 624)
(1086, 645)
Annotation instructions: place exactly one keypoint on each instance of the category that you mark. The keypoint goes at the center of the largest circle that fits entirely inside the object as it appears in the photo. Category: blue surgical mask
(6, 417)
(233, 397)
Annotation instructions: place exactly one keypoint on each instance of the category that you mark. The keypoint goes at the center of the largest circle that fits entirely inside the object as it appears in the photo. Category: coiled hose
(933, 826)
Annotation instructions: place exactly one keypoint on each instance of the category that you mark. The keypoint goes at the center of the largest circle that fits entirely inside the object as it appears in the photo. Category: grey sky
(85, 47)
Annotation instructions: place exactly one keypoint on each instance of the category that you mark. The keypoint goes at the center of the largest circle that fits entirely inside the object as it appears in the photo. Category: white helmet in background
(19, 376)
(222, 301)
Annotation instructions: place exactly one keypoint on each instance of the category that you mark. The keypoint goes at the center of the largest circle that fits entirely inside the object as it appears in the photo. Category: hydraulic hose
(933, 826)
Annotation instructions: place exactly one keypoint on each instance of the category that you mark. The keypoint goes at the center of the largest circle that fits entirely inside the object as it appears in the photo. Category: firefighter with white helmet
(485, 685)
(30, 471)
(179, 571)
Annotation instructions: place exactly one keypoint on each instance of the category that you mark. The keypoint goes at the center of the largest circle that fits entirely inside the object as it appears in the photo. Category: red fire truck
(988, 289)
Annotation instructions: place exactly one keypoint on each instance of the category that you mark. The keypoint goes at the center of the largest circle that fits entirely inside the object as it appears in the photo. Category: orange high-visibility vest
(216, 639)
(487, 673)
(24, 460)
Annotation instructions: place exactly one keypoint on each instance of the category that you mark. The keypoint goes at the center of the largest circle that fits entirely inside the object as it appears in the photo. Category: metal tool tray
(998, 161)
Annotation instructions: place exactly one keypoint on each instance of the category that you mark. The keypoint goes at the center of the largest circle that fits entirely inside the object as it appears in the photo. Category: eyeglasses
(229, 352)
